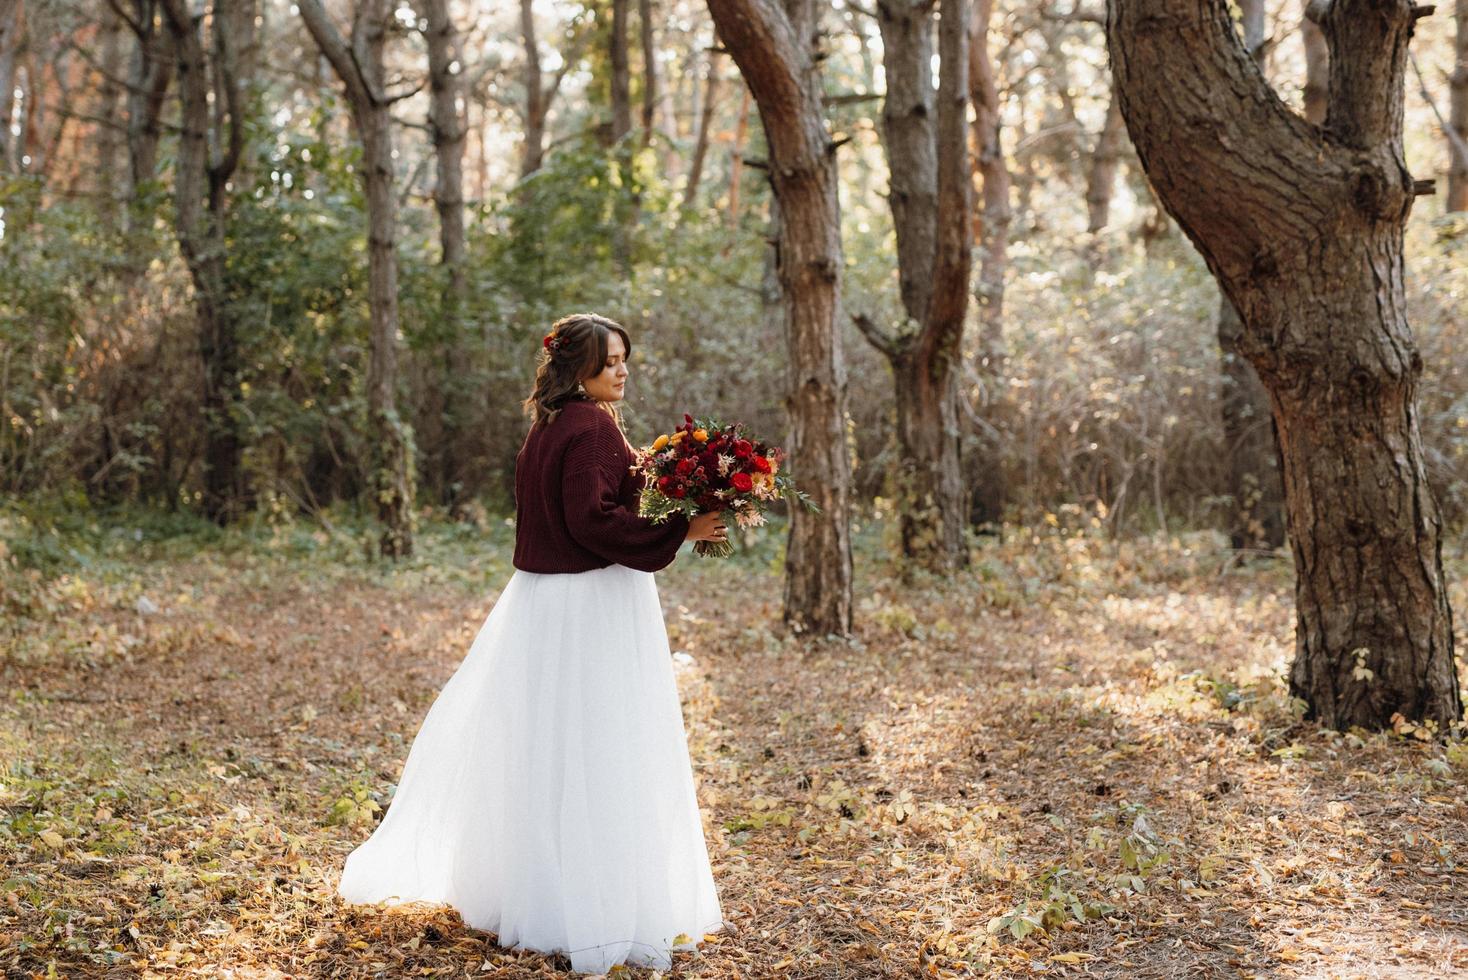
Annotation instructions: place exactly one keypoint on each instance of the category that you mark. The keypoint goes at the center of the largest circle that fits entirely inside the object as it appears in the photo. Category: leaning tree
(1308, 247)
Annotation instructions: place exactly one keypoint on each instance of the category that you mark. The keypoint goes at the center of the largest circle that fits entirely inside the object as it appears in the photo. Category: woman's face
(609, 385)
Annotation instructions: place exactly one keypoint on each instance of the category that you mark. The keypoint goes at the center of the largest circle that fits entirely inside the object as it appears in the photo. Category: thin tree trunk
(111, 114)
(535, 101)
(1101, 181)
(1457, 198)
(1317, 68)
(200, 204)
(989, 492)
(705, 124)
(149, 77)
(924, 137)
(773, 49)
(736, 156)
(1251, 453)
(360, 69)
(649, 69)
(1325, 324)
(446, 124)
(621, 88)
(10, 31)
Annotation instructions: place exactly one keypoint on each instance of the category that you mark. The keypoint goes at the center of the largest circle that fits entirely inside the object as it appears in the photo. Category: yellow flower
(774, 466)
(659, 443)
(678, 437)
(701, 435)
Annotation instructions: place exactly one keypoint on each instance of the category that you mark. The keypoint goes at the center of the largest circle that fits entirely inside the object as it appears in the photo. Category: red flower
(762, 464)
(665, 483)
(742, 482)
(679, 491)
(743, 449)
(686, 466)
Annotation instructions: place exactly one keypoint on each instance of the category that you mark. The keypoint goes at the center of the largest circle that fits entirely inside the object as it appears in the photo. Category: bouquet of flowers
(704, 466)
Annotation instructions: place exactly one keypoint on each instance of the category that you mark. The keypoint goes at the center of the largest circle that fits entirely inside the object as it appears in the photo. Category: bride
(548, 795)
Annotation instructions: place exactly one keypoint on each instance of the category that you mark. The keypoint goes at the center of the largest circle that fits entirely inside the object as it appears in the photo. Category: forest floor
(1077, 758)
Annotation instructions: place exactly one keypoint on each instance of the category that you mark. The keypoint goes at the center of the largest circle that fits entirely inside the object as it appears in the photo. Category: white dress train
(548, 795)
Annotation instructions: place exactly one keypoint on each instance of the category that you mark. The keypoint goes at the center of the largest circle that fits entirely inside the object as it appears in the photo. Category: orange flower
(659, 443)
(702, 435)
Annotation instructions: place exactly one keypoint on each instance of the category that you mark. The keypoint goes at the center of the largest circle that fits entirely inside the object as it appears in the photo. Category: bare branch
(876, 336)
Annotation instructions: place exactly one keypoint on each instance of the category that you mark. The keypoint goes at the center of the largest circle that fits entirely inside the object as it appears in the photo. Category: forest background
(273, 278)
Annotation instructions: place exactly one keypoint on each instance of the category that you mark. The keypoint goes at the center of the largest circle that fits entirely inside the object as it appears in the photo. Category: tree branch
(1456, 143)
(1368, 44)
(876, 336)
(334, 47)
(1201, 114)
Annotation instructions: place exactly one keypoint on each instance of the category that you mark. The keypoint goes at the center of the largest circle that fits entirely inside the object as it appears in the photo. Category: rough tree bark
(1457, 199)
(449, 134)
(924, 135)
(1257, 511)
(989, 492)
(209, 149)
(1310, 252)
(774, 49)
(360, 68)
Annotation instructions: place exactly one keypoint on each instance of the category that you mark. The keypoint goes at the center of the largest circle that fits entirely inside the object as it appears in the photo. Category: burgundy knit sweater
(576, 499)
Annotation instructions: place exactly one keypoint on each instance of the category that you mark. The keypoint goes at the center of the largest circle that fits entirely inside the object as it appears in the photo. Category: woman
(548, 795)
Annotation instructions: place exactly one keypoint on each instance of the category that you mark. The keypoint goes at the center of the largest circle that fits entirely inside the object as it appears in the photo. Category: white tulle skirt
(548, 796)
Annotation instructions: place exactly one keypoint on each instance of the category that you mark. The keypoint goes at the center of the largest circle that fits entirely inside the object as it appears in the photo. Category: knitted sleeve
(591, 478)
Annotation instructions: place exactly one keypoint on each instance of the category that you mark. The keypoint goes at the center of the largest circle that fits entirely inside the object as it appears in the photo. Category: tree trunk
(10, 30)
(200, 205)
(773, 50)
(1256, 511)
(927, 156)
(1324, 323)
(649, 70)
(360, 69)
(621, 73)
(111, 113)
(1457, 199)
(446, 125)
(736, 156)
(1101, 181)
(1317, 68)
(149, 77)
(535, 101)
(705, 124)
(989, 493)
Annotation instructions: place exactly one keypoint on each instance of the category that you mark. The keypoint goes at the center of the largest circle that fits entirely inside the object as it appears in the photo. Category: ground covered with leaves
(1076, 758)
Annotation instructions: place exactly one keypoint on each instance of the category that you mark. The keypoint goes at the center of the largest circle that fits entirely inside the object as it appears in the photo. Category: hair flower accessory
(552, 342)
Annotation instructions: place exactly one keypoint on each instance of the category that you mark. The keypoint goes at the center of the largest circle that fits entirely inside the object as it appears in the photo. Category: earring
(581, 389)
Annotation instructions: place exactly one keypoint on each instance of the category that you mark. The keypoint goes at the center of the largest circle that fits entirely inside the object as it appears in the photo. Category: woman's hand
(708, 526)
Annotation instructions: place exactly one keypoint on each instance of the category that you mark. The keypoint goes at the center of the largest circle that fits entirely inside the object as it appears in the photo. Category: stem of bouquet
(714, 549)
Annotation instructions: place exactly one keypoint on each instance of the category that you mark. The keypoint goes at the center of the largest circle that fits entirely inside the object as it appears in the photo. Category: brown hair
(578, 351)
